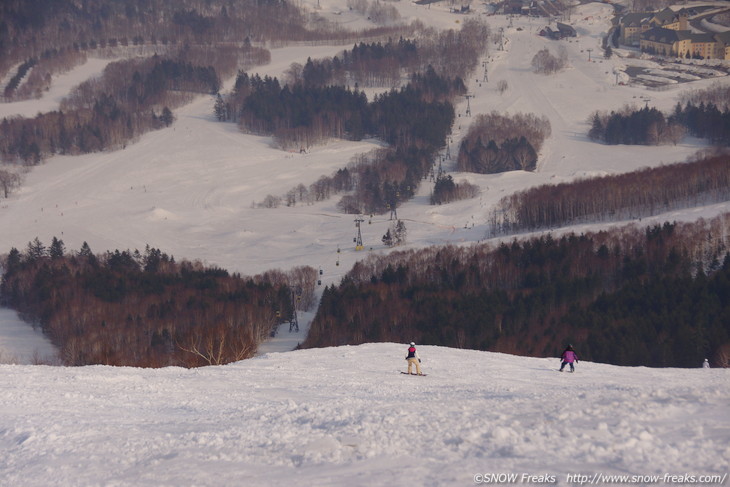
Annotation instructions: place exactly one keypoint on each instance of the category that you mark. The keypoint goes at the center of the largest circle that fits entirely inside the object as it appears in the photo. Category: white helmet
(413, 344)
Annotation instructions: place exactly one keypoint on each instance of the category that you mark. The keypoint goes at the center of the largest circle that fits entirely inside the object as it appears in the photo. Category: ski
(422, 375)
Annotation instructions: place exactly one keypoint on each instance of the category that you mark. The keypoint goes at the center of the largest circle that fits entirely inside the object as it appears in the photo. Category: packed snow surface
(346, 416)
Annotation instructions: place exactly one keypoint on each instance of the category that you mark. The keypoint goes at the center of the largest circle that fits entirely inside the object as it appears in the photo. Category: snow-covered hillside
(346, 417)
(190, 189)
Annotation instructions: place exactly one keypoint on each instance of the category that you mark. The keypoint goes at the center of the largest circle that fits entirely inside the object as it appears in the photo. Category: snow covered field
(340, 416)
(346, 417)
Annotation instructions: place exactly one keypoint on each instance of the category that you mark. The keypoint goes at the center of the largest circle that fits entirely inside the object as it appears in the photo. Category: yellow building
(666, 42)
(704, 46)
(634, 24)
(669, 19)
(666, 33)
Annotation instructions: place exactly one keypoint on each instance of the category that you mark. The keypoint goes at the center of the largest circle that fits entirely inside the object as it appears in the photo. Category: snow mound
(159, 214)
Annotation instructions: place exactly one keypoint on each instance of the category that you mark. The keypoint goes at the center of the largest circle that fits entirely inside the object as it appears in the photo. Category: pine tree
(597, 131)
(85, 250)
(14, 260)
(58, 249)
(388, 239)
(400, 233)
(220, 109)
(36, 250)
(166, 117)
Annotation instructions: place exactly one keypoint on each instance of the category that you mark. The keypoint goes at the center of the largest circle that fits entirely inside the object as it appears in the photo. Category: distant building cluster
(667, 33)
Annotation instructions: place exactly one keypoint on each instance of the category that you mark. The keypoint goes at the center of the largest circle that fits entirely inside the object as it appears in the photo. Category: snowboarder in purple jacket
(568, 357)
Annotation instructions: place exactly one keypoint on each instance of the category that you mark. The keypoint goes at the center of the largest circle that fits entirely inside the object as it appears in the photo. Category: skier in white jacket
(413, 359)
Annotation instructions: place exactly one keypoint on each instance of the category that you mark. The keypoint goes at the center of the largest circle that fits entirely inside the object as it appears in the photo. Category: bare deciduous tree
(9, 180)
(545, 63)
(502, 86)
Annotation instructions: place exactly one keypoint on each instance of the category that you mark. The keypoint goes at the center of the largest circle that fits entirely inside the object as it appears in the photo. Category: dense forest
(617, 197)
(649, 126)
(61, 31)
(170, 51)
(414, 120)
(130, 98)
(386, 64)
(629, 296)
(445, 190)
(498, 143)
(35, 29)
(316, 102)
(414, 128)
(717, 94)
(143, 309)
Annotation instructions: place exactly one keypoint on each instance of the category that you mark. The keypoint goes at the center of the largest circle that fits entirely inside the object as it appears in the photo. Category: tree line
(629, 296)
(40, 73)
(130, 98)
(705, 121)
(317, 103)
(30, 29)
(445, 190)
(27, 29)
(450, 54)
(625, 196)
(717, 94)
(365, 65)
(144, 309)
(413, 120)
(206, 41)
(649, 126)
(299, 115)
(498, 143)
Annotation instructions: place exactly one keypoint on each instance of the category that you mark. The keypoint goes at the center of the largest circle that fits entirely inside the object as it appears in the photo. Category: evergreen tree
(58, 249)
(388, 238)
(85, 250)
(13, 262)
(220, 109)
(166, 117)
(36, 250)
(400, 233)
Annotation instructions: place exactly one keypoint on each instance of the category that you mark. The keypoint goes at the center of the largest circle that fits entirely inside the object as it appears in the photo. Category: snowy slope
(21, 343)
(346, 417)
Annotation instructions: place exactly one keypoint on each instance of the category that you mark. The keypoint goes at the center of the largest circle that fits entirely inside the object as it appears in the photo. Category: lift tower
(468, 106)
(358, 239)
